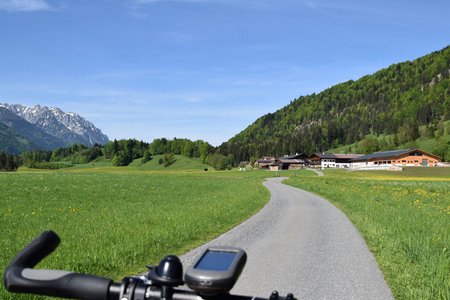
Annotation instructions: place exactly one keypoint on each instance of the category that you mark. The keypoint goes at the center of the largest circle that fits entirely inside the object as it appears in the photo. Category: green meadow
(115, 221)
(404, 218)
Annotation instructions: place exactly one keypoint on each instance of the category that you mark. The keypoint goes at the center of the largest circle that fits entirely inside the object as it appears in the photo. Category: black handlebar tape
(19, 277)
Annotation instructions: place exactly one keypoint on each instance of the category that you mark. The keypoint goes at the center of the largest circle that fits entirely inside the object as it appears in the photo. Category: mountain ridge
(47, 128)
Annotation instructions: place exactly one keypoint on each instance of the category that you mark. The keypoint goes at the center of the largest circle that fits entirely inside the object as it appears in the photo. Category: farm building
(324, 160)
(401, 158)
(330, 160)
(292, 162)
(286, 162)
(266, 161)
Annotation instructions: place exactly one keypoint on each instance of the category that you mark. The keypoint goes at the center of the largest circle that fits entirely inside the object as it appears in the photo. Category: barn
(401, 158)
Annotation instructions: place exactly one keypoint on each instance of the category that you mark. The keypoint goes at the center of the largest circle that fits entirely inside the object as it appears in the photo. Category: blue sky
(200, 69)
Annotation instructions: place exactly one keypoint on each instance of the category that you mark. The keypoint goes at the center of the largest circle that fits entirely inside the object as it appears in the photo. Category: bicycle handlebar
(20, 277)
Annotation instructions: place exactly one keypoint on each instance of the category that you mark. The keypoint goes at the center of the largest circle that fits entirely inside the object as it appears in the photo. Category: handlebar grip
(19, 277)
(57, 283)
(36, 251)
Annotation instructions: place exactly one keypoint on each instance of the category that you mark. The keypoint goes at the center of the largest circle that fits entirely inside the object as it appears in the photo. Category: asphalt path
(300, 243)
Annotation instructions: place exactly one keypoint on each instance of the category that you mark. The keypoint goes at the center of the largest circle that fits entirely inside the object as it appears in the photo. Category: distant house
(322, 160)
(402, 158)
(266, 162)
(330, 160)
(286, 162)
(292, 162)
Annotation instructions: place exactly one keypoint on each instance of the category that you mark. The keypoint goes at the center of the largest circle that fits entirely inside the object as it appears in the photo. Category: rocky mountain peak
(69, 127)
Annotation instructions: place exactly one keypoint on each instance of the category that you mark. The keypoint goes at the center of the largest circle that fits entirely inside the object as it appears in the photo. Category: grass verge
(405, 220)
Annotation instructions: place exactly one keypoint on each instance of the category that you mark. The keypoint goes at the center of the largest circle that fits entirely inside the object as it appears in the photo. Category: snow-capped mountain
(18, 135)
(70, 127)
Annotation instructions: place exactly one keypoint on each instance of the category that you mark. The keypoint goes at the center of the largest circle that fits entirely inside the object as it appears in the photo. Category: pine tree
(2, 160)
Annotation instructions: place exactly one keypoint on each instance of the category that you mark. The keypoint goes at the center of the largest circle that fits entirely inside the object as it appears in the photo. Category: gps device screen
(216, 260)
(216, 270)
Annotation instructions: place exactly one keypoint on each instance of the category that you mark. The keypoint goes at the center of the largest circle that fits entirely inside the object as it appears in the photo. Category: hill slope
(396, 101)
(181, 163)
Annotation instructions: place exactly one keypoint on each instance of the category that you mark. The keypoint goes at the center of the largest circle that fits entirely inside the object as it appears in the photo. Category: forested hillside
(406, 101)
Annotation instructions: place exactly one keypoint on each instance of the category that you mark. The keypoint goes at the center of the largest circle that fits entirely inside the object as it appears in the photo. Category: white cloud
(24, 5)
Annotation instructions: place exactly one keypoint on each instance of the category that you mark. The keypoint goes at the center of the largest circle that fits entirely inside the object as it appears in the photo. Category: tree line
(9, 162)
(121, 153)
(124, 152)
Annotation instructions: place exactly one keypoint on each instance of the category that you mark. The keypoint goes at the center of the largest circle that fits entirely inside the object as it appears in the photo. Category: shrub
(169, 159)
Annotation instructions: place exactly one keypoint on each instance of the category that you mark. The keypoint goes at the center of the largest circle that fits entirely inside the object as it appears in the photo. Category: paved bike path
(301, 243)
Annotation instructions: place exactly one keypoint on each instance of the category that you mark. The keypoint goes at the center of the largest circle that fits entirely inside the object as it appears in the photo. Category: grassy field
(405, 220)
(114, 221)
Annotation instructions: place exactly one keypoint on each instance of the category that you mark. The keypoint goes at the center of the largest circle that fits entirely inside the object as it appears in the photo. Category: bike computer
(216, 271)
